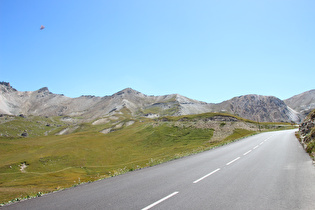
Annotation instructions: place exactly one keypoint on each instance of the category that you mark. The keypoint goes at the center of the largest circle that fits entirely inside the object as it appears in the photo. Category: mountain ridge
(252, 106)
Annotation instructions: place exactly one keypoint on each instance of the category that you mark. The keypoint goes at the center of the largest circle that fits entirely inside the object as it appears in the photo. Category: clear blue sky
(208, 50)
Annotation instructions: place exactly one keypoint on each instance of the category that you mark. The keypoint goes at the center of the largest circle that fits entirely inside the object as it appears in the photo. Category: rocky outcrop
(24, 134)
(6, 87)
(307, 133)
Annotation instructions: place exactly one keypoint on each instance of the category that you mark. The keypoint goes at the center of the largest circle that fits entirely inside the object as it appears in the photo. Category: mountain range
(42, 102)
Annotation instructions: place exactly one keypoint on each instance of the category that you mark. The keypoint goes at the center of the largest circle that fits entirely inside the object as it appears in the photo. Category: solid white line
(247, 152)
(159, 201)
(206, 175)
(256, 147)
(233, 161)
(261, 143)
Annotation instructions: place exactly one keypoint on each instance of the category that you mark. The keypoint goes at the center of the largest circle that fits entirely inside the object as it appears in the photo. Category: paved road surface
(266, 171)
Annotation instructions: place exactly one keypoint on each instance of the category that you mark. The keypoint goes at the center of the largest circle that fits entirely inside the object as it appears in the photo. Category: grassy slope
(34, 125)
(56, 162)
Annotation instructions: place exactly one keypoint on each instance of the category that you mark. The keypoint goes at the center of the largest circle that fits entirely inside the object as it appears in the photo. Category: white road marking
(233, 161)
(206, 175)
(270, 137)
(247, 152)
(198, 180)
(159, 201)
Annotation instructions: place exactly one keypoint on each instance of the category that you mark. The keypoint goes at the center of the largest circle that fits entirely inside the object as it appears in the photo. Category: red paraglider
(42, 27)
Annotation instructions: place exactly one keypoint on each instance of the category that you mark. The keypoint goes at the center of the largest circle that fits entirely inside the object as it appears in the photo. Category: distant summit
(44, 89)
(303, 103)
(87, 108)
(260, 108)
(128, 91)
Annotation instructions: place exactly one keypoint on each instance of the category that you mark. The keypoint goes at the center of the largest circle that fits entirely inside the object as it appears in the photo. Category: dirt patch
(101, 121)
(67, 130)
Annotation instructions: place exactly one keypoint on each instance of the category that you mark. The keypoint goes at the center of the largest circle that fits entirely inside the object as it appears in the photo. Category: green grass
(166, 136)
(57, 162)
(238, 134)
(33, 125)
(203, 116)
(160, 110)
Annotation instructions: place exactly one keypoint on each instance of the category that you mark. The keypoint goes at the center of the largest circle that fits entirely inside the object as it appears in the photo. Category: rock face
(88, 108)
(307, 133)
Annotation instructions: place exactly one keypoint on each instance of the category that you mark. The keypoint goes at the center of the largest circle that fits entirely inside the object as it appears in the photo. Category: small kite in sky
(42, 27)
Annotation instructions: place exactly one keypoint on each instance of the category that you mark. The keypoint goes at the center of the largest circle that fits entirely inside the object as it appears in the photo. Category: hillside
(44, 161)
(42, 102)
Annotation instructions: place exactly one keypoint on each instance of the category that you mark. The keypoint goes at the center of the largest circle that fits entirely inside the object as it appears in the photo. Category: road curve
(265, 171)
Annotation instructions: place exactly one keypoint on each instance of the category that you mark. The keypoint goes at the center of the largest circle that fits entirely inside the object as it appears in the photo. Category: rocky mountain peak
(128, 91)
(253, 99)
(6, 87)
(184, 100)
(303, 103)
(258, 107)
(43, 90)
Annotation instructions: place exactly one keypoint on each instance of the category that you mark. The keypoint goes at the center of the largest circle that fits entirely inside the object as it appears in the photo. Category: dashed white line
(206, 175)
(233, 161)
(269, 137)
(198, 180)
(159, 201)
(247, 152)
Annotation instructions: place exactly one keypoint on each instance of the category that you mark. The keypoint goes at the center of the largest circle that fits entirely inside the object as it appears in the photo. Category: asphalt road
(266, 171)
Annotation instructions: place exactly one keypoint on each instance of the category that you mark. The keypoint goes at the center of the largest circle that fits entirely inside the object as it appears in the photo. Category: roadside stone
(24, 134)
